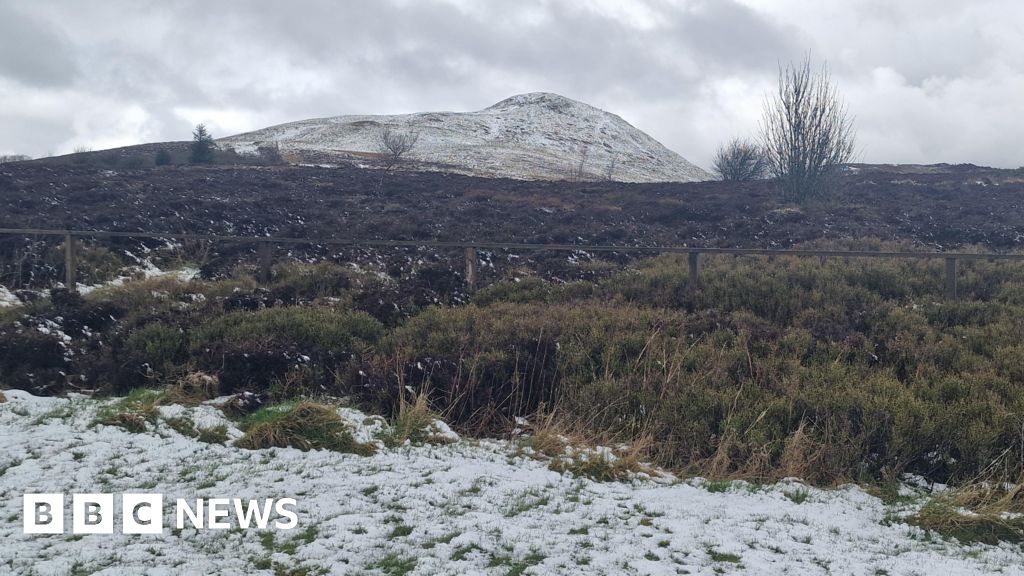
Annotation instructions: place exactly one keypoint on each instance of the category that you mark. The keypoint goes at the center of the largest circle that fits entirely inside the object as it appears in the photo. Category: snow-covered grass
(146, 270)
(462, 507)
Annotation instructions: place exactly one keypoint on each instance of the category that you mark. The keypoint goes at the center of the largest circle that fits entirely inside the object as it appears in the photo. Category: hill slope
(537, 136)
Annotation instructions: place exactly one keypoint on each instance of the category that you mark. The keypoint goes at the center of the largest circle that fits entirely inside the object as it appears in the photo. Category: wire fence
(266, 246)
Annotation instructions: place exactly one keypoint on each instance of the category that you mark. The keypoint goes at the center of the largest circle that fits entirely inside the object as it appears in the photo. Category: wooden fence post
(694, 258)
(472, 263)
(69, 263)
(266, 259)
(951, 266)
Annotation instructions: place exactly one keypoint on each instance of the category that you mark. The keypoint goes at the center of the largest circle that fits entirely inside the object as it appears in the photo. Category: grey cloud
(732, 36)
(33, 136)
(692, 77)
(572, 48)
(32, 52)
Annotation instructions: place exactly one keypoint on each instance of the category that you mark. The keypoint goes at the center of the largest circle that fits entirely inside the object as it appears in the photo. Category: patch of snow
(148, 270)
(7, 298)
(468, 507)
(442, 432)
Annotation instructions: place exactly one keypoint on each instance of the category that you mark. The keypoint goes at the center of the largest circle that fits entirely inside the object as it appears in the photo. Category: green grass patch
(400, 531)
(797, 496)
(305, 425)
(525, 501)
(462, 552)
(443, 539)
(134, 412)
(717, 556)
(213, 435)
(516, 567)
(182, 425)
(394, 564)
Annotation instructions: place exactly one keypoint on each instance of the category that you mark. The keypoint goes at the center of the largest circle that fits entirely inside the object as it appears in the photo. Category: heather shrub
(159, 347)
(297, 349)
(832, 370)
(294, 282)
(300, 327)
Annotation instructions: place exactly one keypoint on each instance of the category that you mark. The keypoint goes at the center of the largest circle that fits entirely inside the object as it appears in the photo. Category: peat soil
(938, 207)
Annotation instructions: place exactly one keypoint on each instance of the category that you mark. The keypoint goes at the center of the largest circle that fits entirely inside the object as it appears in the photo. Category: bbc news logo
(144, 513)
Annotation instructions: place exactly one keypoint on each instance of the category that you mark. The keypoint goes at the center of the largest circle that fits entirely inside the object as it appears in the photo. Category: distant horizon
(926, 82)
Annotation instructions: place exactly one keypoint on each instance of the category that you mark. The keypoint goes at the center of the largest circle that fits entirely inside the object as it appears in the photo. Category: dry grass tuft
(988, 512)
(549, 435)
(607, 465)
(415, 423)
(192, 389)
(241, 405)
(569, 445)
(801, 454)
(721, 463)
(967, 526)
(2, 397)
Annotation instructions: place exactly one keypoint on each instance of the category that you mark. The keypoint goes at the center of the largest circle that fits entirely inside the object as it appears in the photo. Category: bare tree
(578, 170)
(740, 160)
(806, 132)
(13, 158)
(394, 145)
(609, 170)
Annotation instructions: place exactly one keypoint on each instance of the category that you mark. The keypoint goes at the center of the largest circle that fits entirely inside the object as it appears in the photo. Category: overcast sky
(927, 80)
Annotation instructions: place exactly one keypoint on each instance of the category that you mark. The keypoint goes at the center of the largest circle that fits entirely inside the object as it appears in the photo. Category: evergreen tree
(202, 146)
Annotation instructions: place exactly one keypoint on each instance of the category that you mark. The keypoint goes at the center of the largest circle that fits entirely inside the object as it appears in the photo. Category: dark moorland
(930, 208)
(939, 208)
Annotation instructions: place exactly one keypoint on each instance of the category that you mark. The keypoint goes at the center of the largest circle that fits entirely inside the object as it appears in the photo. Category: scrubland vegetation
(830, 370)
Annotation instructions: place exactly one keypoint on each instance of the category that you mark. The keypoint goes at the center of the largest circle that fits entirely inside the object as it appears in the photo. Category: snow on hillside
(7, 298)
(536, 136)
(470, 507)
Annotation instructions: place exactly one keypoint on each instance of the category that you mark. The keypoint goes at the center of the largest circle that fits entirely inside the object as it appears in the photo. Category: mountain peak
(532, 136)
(549, 100)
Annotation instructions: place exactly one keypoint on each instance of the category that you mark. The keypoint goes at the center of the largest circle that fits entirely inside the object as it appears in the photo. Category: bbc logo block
(93, 513)
(144, 513)
(43, 513)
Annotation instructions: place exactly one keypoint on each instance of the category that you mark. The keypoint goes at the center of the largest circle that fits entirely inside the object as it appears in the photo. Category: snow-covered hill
(537, 136)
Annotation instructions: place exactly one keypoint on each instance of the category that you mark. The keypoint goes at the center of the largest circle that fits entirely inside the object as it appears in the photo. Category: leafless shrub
(578, 171)
(806, 132)
(394, 145)
(609, 170)
(739, 161)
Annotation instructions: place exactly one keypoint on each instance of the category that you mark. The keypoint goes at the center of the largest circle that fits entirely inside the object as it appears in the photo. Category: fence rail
(266, 244)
